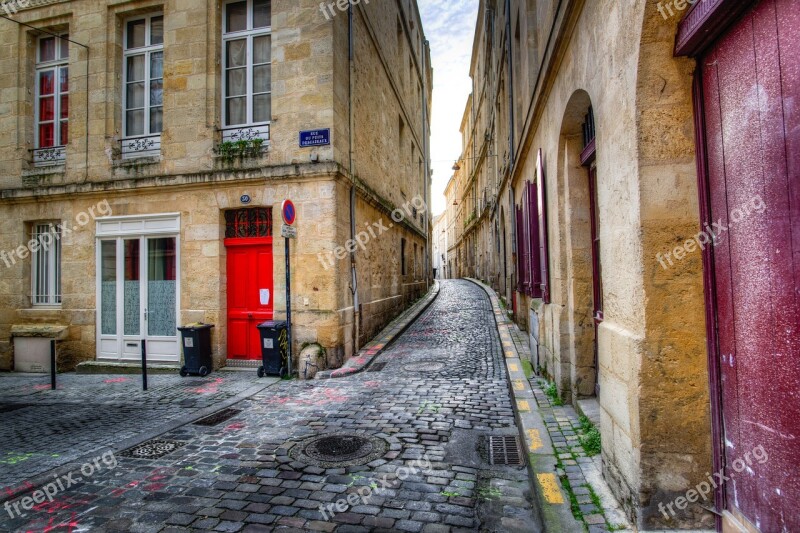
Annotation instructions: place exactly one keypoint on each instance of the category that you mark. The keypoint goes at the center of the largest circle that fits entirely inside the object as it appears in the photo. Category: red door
(751, 100)
(250, 294)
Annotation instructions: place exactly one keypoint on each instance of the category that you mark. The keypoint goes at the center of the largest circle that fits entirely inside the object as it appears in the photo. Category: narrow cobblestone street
(414, 428)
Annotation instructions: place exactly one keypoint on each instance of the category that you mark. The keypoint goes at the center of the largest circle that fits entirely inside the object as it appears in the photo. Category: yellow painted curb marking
(550, 488)
(513, 367)
(510, 354)
(536, 440)
(519, 385)
(524, 405)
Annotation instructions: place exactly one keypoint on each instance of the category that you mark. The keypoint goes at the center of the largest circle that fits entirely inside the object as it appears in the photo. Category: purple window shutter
(520, 247)
(544, 252)
(526, 238)
(535, 263)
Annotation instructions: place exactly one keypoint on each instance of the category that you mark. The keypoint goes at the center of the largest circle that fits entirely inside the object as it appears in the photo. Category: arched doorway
(578, 181)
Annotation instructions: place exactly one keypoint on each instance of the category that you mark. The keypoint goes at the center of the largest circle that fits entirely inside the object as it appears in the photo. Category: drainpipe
(426, 150)
(353, 272)
(510, 86)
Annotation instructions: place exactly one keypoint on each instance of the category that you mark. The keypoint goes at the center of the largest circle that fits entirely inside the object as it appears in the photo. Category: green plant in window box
(226, 150)
(258, 145)
(241, 148)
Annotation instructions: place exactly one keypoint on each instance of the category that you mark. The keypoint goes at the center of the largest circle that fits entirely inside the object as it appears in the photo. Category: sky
(450, 27)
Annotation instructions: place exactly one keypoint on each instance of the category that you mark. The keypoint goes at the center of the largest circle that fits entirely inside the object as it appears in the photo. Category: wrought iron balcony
(147, 146)
(45, 157)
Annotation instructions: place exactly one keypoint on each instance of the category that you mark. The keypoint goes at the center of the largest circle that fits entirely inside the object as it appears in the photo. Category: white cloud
(450, 27)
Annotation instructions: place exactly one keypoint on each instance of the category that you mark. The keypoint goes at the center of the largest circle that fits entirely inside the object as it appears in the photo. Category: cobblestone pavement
(42, 429)
(416, 425)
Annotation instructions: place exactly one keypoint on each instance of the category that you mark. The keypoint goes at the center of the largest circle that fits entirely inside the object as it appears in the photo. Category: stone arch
(578, 364)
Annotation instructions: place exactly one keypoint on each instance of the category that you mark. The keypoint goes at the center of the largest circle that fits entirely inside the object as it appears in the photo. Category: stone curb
(40, 480)
(553, 503)
(382, 340)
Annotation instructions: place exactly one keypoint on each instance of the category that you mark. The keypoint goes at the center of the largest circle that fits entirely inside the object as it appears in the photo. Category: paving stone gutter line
(367, 355)
(45, 477)
(553, 503)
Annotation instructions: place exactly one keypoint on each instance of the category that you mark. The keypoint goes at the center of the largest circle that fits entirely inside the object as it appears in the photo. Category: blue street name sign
(315, 138)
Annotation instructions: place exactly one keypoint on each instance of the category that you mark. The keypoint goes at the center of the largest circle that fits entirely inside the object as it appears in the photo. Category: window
(403, 257)
(52, 100)
(143, 69)
(247, 69)
(46, 265)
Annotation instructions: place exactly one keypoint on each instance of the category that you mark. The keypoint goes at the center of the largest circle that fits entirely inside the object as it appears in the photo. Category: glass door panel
(108, 288)
(132, 288)
(161, 287)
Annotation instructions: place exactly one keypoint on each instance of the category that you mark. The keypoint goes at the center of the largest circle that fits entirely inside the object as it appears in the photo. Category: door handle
(249, 315)
(145, 314)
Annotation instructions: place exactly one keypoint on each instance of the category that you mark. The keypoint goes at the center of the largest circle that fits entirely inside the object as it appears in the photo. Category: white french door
(138, 297)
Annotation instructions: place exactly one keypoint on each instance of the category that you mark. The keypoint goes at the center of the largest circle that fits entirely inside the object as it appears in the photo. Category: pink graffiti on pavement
(26, 486)
(116, 380)
(210, 388)
(316, 397)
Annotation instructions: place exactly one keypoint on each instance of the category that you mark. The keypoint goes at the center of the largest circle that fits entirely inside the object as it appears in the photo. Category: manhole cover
(339, 449)
(218, 417)
(377, 367)
(424, 366)
(153, 449)
(504, 450)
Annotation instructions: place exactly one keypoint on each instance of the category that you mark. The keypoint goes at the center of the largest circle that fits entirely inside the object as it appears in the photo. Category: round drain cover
(424, 366)
(339, 449)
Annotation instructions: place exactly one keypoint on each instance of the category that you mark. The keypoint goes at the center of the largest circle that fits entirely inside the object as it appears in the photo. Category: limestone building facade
(154, 141)
(592, 145)
(578, 167)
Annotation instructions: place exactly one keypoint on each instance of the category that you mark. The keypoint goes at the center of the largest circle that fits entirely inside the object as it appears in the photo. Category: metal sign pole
(144, 364)
(288, 306)
(53, 364)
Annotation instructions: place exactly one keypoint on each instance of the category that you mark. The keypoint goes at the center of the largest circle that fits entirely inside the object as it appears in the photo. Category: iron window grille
(46, 265)
(248, 223)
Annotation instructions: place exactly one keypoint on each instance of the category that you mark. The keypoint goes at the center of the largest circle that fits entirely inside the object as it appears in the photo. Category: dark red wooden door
(751, 98)
(250, 294)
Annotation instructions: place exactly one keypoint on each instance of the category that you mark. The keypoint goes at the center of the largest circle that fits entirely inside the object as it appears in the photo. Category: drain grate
(377, 367)
(153, 449)
(8, 407)
(218, 417)
(505, 450)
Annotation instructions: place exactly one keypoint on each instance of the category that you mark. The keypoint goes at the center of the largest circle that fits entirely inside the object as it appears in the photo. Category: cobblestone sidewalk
(580, 474)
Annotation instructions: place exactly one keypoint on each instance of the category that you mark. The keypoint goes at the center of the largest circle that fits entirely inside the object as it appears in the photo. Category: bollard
(53, 364)
(144, 364)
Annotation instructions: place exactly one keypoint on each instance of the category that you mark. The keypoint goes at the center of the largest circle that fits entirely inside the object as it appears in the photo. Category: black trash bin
(196, 342)
(274, 348)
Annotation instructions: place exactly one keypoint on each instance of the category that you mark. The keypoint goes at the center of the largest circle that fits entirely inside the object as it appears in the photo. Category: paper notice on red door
(264, 296)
